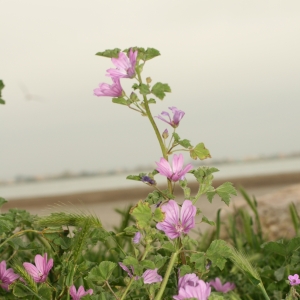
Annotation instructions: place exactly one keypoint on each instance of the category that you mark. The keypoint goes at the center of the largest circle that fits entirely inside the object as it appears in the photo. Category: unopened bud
(133, 97)
(165, 134)
(148, 180)
(148, 80)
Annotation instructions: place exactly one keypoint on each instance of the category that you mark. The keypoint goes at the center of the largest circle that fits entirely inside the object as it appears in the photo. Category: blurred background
(233, 67)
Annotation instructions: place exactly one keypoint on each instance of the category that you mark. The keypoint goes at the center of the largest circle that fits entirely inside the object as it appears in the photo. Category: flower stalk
(167, 275)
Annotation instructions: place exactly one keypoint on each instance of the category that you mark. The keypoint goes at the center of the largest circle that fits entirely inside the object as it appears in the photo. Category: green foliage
(224, 191)
(184, 143)
(199, 151)
(142, 213)
(1, 88)
(120, 100)
(110, 53)
(160, 89)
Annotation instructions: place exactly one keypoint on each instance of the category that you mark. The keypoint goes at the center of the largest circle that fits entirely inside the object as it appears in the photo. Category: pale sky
(233, 66)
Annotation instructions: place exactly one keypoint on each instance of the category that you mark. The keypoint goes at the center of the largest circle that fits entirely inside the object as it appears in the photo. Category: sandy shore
(102, 203)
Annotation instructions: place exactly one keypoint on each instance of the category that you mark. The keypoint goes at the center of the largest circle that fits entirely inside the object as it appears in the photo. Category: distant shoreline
(134, 194)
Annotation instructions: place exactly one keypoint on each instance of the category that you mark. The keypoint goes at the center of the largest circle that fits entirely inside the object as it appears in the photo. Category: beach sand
(102, 203)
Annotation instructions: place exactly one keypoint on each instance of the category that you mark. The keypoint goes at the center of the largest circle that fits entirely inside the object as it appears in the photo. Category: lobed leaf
(110, 53)
(160, 89)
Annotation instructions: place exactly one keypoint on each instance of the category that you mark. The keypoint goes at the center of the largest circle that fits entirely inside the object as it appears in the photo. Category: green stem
(263, 291)
(167, 275)
(158, 135)
(127, 289)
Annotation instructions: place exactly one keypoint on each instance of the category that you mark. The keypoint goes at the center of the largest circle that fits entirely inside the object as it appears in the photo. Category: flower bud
(148, 80)
(165, 134)
(133, 97)
(148, 180)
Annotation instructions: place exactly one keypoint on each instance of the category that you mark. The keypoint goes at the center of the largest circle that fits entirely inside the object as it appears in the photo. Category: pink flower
(41, 269)
(6, 276)
(77, 295)
(190, 286)
(125, 65)
(164, 168)
(217, 284)
(137, 237)
(294, 279)
(177, 116)
(113, 90)
(149, 276)
(173, 226)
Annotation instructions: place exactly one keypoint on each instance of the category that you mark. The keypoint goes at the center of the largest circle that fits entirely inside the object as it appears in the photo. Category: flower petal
(177, 163)
(187, 215)
(151, 276)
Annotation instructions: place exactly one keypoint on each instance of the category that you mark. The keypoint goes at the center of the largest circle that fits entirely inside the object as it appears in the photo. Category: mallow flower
(125, 65)
(41, 269)
(109, 90)
(6, 276)
(177, 116)
(175, 225)
(177, 172)
(149, 276)
(77, 295)
(190, 286)
(223, 288)
(294, 279)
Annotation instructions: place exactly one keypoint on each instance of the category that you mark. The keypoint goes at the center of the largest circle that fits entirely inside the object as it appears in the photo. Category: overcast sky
(233, 66)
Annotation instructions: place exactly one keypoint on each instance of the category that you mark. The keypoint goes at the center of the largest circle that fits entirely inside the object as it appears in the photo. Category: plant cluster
(151, 255)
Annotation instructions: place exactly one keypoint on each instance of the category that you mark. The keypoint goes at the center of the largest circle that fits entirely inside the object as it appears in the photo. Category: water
(66, 186)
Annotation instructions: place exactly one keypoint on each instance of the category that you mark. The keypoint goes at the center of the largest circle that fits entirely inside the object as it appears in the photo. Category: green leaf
(205, 220)
(20, 291)
(45, 292)
(185, 143)
(200, 152)
(134, 177)
(185, 269)
(160, 260)
(148, 264)
(1, 88)
(102, 272)
(218, 252)
(2, 201)
(144, 89)
(225, 191)
(106, 268)
(151, 53)
(150, 101)
(64, 243)
(276, 247)
(158, 215)
(200, 261)
(159, 89)
(110, 53)
(130, 230)
(279, 273)
(142, 213)
(168, 246)
(120, 100)
(130, 261)
(293, 245)
(176, 137)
